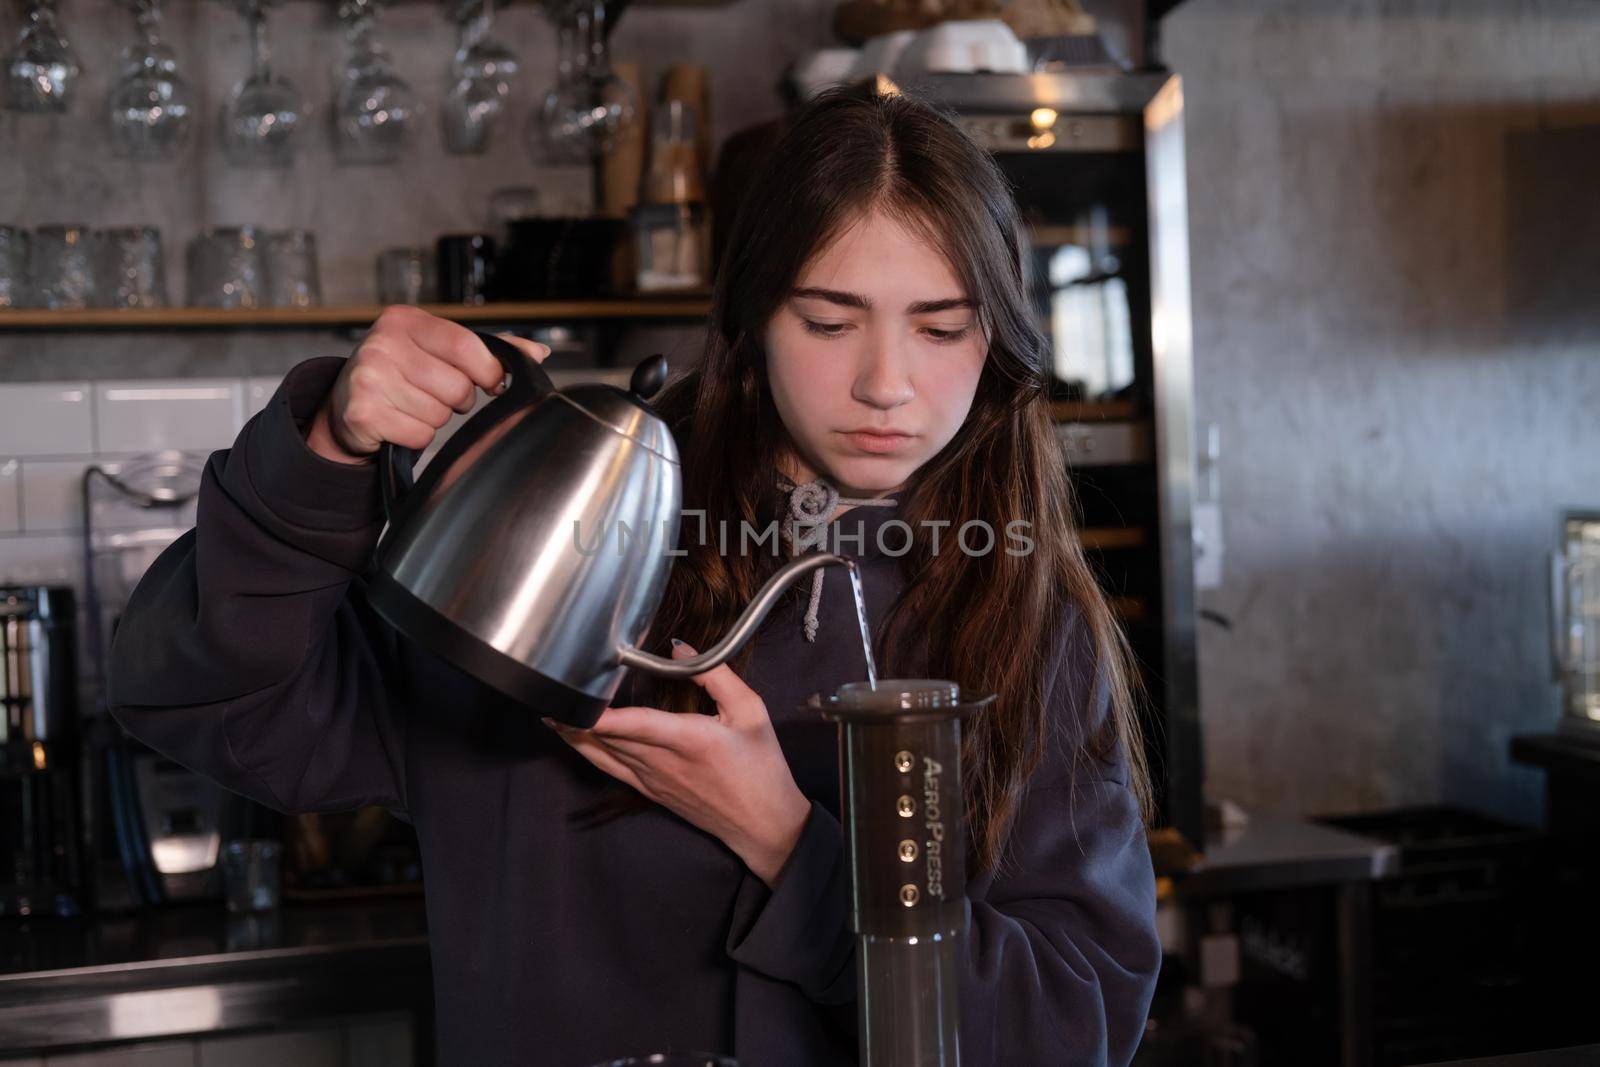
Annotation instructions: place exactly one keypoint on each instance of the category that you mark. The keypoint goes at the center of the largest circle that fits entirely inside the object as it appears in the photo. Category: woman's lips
(877, 443)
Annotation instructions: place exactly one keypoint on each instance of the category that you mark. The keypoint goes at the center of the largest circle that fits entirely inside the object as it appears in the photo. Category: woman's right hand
(409, 374)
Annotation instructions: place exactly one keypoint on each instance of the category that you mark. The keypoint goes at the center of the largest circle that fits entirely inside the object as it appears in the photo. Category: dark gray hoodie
(249, 653)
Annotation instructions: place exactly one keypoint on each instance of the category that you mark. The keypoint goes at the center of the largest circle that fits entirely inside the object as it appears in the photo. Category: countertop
(194, 968)
(187, 969)
(1275, 851)
(1559, 752)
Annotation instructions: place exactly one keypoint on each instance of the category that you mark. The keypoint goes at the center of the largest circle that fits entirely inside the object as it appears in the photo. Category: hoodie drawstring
(812, 504)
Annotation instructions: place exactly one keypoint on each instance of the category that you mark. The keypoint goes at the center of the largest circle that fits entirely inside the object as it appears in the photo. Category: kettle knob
(648, 377)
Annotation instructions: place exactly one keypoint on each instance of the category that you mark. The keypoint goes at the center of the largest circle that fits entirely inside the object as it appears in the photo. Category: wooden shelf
(1093, 410)
(1082, 236)
(689, 307)
(1129, 608)
(1104, 538)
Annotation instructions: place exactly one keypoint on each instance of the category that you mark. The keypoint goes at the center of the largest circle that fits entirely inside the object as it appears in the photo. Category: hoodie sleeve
(240, 654)
(1061, 953)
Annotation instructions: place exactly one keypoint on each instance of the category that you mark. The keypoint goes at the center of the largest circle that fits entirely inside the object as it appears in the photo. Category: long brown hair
(846, 152)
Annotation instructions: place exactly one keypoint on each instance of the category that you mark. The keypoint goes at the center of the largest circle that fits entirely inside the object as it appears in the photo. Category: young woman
(677, 881)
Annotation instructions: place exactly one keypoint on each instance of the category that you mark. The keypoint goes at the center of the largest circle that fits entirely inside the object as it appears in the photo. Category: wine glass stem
(260, 51)
(599, 59)
(569, 60)
(148, 17)
(358, 35)
(585, 50)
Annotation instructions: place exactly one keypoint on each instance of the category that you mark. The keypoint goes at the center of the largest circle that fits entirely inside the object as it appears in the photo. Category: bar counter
(194, 969)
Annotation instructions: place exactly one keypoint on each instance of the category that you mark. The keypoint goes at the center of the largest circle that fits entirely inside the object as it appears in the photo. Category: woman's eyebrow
(856, 300)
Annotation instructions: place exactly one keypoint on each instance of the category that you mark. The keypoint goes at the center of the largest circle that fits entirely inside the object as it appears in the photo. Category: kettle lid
(628, 411)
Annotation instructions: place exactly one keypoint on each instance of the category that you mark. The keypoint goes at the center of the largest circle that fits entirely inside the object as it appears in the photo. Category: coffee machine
(38, 753)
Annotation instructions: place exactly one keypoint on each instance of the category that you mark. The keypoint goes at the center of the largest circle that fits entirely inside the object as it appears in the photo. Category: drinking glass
(128, 268)
(60, 267)
(589, 107)
(674, 176)
(373, 106)
(250, 930)
(150, 106)
(552, 135)
(258, 121)
(290, 265)
(13, 267)
(405, 276)
(251, 874)
(42, 70)
(479, 81)
(225, 268)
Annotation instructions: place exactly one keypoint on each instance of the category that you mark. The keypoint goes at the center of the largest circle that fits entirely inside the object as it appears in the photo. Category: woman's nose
(884, 378)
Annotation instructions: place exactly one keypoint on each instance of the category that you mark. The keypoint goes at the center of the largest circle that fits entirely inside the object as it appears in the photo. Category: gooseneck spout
(742, 630)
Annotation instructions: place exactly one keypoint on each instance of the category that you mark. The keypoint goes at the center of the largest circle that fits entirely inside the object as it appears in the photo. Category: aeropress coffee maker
(901, 805)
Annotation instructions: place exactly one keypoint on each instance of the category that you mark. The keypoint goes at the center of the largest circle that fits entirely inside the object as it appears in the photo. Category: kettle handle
(528, 382)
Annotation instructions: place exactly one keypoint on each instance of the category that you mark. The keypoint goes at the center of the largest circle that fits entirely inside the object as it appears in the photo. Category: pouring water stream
(861, 619)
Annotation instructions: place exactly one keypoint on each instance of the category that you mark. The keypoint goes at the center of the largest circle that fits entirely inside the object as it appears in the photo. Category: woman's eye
(837, 329)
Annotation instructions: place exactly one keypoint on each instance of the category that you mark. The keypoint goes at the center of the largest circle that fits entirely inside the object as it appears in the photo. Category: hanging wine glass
(589, 107)
(42, 70)
(612, 103)
(553, 132)
(479, 82)
(151, 105)
(259, 119)
(373, 106)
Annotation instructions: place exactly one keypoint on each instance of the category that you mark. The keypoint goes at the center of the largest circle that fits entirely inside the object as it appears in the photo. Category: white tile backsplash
(48, 435)
(46, 418)
(10, 495)
(52, 499)
(140, 416)
(44, 559)
(52, 494)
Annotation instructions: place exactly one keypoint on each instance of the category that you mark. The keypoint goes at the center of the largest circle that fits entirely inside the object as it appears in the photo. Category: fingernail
(676, 643)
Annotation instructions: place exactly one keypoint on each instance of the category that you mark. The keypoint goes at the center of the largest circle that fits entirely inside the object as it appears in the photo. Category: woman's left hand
(725, 773)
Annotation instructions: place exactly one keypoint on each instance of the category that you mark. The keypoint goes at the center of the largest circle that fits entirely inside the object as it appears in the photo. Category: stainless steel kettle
(535, 547)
